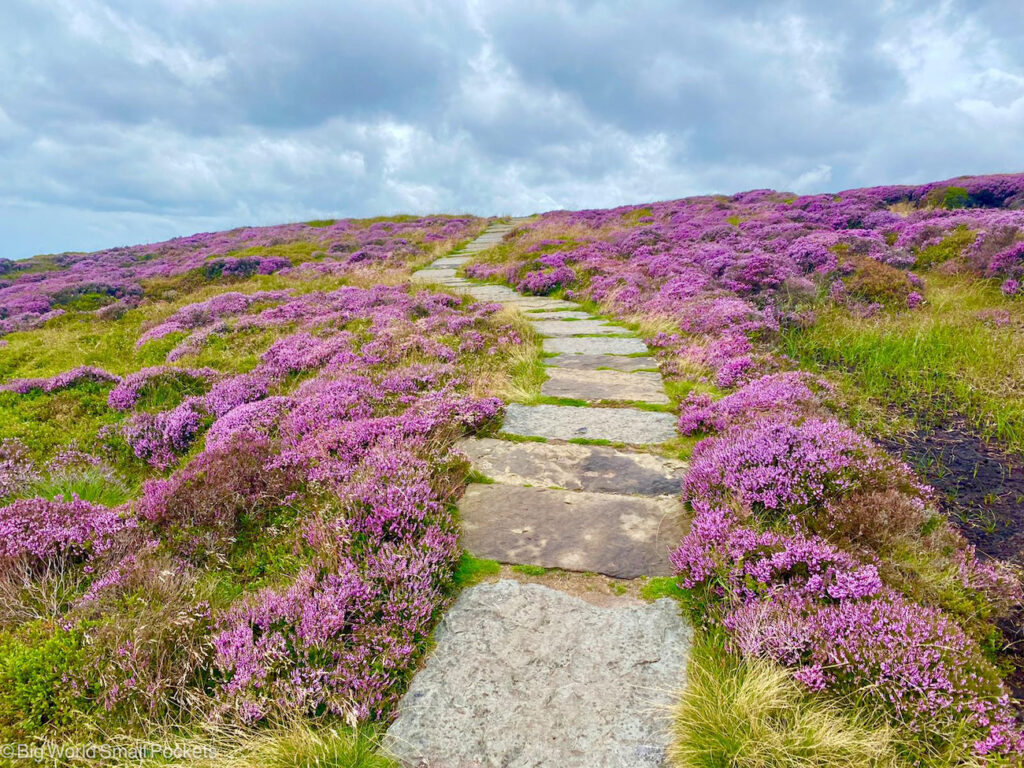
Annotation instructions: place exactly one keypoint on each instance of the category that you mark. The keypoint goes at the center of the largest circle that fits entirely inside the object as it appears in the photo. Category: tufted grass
(938, 360)
(751, 714)
(296, 744)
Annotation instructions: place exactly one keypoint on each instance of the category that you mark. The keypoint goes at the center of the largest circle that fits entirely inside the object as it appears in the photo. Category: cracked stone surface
(526, 676)
(595, 468)
(597, 362)
(620, 536)
(578, 328)
(589, 345)
(568, 422)
(605, 385)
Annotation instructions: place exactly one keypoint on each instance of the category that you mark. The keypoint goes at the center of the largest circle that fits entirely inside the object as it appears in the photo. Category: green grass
(88, 483)
(299, 744)
(938, 360)
(593, 441)
(520, 438)
(751, 714)
(548, 400)
(662, 586)
(479, 477)
(472, 570)
(530, 570)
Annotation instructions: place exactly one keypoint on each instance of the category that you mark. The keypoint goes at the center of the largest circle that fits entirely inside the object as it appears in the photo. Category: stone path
(524, 675)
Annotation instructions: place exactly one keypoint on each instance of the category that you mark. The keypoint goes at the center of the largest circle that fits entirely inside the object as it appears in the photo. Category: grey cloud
(123, 122)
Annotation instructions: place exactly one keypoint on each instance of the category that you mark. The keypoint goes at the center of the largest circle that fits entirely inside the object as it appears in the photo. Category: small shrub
(951, 247)
(219, 491)
(42, 687)
(956, 197)
(872, 281)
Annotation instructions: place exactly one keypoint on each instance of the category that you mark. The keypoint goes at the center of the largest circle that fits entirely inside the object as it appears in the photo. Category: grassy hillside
(228, 471)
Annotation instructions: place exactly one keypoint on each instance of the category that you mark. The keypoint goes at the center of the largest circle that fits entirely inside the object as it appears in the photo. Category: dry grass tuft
(751, 714)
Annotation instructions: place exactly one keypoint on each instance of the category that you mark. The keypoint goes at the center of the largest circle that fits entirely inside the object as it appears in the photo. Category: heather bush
(42, 531)
(778, 468)
(159, 386)
(912, 661)
(146, 622)
(218, 492)
(16, 468)
(825, 614)
(789, 394)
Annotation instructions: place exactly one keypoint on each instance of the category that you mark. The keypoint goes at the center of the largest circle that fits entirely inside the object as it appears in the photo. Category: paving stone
(565, 315)
(578, 328)
(595, 346)
(596, 362)
(624, 537)
(595, 468)
(567, 422)
(542, 302)
(605, 385)
(449, 262)
(525, 676)
(431, 275)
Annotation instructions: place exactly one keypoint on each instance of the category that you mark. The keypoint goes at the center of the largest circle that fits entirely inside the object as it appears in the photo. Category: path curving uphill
(524, 675)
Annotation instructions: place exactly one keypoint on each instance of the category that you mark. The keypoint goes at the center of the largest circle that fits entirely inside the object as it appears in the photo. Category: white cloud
(813, 180)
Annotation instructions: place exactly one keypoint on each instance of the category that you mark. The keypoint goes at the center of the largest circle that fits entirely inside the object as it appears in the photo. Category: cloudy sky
(125, 121)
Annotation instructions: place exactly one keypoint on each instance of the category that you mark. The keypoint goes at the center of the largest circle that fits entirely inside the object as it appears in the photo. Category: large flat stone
(595, 468)
(432, 275)
(605, 385)
(620, 536)
(450, 262)
(566, 315)
(566, 422)
(525, 676)
(578, 328)
(595, 346)
(597, 362)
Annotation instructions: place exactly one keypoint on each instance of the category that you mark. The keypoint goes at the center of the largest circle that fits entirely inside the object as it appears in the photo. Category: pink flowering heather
(779, 466)
(782, 394)
(133, 387)
(17, 471)
(204, 313)
(745, 563)
(43, 530)
(30, 298)
(61, 381)
(911, 660)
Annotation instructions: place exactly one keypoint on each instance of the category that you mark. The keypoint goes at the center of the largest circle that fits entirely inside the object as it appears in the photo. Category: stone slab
(595, 346)
(525, 676)
(496, 291)
(597, 362)
(578, 328)
(605, 385)
(431, 275)
(567, 422)
(624, 537)
(565, 315)
(541, 302)
(595, 468)
(450, 262)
